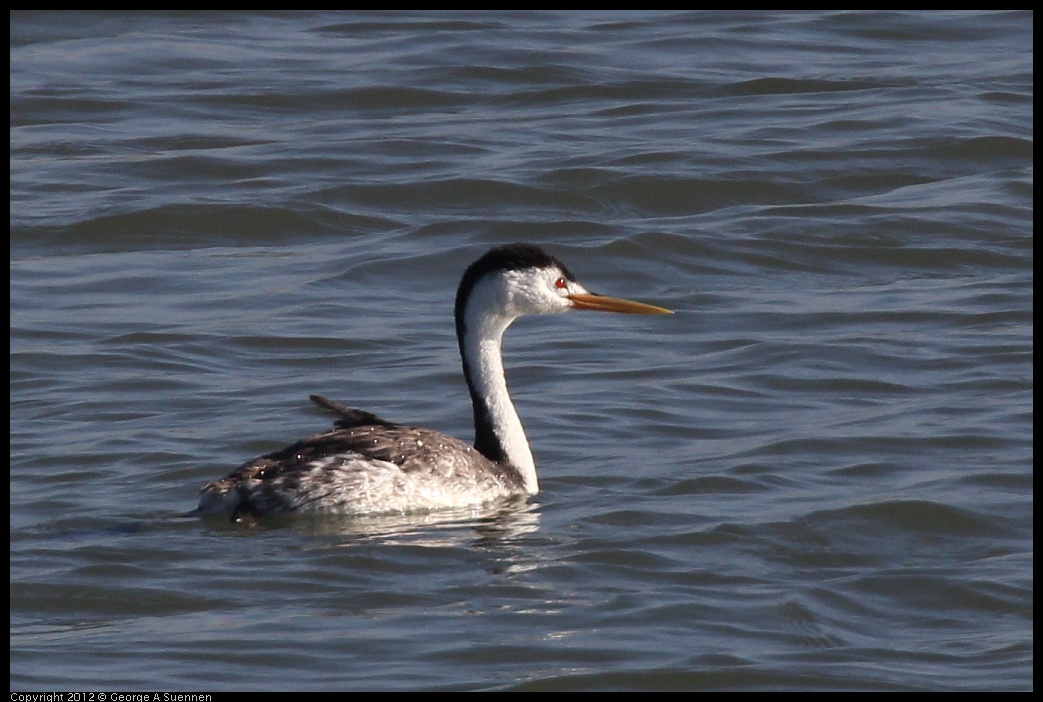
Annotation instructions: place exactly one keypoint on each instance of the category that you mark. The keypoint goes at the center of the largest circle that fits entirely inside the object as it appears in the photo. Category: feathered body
(361, 468)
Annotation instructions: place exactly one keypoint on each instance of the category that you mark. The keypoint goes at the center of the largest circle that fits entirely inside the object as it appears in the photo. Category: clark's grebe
(370, 465)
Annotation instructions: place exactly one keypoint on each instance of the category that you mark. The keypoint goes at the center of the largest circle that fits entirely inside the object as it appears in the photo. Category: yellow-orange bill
(604, 303)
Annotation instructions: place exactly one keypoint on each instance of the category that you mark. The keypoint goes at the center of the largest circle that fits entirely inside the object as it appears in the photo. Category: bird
(369, 465)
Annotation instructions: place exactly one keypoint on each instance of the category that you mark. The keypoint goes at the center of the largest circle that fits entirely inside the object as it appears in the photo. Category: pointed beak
(604, 303)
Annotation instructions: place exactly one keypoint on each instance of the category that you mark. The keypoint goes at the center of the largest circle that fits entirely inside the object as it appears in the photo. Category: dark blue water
(816, 475)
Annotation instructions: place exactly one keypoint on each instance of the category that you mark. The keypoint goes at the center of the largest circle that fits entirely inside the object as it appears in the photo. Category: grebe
(369, 465)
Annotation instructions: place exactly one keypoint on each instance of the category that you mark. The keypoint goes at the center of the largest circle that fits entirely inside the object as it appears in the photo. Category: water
(816, 475)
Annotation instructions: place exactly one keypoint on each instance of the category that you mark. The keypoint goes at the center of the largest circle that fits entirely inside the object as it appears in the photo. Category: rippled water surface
(816, 475)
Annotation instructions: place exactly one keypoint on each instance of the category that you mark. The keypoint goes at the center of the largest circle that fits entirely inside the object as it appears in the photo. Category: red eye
(561, 283)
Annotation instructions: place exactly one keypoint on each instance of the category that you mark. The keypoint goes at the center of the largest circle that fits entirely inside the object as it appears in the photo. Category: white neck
(481, 346)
